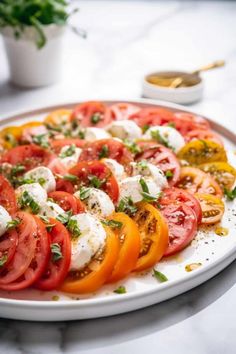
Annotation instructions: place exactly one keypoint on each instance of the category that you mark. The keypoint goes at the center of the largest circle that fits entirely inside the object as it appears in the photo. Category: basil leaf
(159, 276)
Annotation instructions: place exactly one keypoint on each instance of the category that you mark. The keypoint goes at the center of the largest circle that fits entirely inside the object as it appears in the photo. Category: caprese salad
(89, 195)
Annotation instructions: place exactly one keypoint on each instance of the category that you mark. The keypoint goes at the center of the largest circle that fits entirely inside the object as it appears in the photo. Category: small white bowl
(182, 95)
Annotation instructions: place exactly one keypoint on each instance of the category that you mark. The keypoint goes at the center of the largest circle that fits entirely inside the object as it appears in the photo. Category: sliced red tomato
(64, 186)
(177, 195)
(110, 148)
(57, 145)
(29, 156)
(153, 116)
(8, 243)
(38, 262)
(182, 225)
(25, 250)
(203, 134)
(162, 157)
(186, 122)
(67, 201)
(7, 196)
(57, 269)
(92, 114)
(86, 170)
(123, 111)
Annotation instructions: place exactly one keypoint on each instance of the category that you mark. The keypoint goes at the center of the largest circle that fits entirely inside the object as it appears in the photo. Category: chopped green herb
(120, 290)
(159, 276)
(132, 146)
(171, 124)
(95, 118)
(231, 195)
(11, 139)
(143, 185)
(84, 193)
(13, 223)
(145, 192)
(126, 205)
(41, 140)
(65, 217)
(142, 164)
(17, 169)
(53, 127)
(68, 152)
(71, 178)
(81, 134)
(112, 223)
(26, 200)
(169, 174)
(160, 139)
(3, 260)
(73, 228)
(47, 222)
(56, 252)
(104, 152)
(95, 181)
(145, 128)
(44, 219)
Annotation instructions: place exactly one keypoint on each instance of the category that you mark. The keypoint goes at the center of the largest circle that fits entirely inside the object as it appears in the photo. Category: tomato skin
(14, 131)
(186, 122)
(116, 151)
(57, 117)
(8, 244)
(162, 157)
(64, 186)
(96, 168)
(129, 239)
(203, 134)
(154, 235)
(67, 201)
(25, 250)
(57, 145)
(182, 225)
(94, 280)
(85, 111)
(56, 272)
(176, 195)
(123, 111)
(222, 172)
(212, 208)
(38, 263)
(7, 196)
(153, 116)
(28, 155)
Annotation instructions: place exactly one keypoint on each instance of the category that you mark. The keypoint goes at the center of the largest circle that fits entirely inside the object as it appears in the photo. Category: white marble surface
(126, 40)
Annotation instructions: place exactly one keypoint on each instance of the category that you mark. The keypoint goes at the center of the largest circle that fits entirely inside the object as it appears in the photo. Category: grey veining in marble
(126, 40)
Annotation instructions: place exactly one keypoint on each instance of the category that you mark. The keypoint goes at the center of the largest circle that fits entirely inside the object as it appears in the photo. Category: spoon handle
(216, 64)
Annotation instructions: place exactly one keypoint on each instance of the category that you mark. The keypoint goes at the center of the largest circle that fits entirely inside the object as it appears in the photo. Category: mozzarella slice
(149, 170)
(70, 161)
(173, 138)
(44, 174)
(92, 238)
(37, 192)
(98, 202)
(4, 219)
(116, 168)
(125, 129)
(51, 210)
(131, 187)
(93, 133)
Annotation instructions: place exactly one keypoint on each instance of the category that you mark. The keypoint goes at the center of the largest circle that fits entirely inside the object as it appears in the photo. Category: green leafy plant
(20, 14)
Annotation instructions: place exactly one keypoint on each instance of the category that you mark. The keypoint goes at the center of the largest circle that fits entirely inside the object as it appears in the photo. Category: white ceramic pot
(30, 66)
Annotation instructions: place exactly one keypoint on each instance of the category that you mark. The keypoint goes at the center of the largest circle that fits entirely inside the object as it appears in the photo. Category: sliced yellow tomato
(96, 273)
(197, 152)
(58, 117)
(223, 173)
(212, 208)
(129, 238)
(196, 181)
(9, 136)
(154, 235)
(31, 125)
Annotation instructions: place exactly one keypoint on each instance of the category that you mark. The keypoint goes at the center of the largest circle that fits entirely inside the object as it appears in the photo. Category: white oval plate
(212, 251)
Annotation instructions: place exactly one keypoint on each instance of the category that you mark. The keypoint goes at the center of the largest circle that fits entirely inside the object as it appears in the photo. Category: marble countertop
(127, 39)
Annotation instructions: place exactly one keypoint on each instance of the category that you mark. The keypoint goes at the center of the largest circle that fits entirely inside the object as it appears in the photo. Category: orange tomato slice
(212, 208)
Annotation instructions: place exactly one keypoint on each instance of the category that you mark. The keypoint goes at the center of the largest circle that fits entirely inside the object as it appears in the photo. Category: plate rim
(14, 116)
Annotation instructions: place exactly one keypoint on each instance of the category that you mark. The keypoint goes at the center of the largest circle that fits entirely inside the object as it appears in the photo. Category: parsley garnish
(160, 139)
(41, 140)
(169, 174)
(120, 290)
(159, 276)
(126, 205)
(132, 146)
(112, 223)
(95, 118)
(145, 193)
(13, 223)
(68, 152)
(231, 195)
(3, 260)
(104, 152)
(95, 181)
(26, 200)
(56, 252)
(71, 178)
(84, 193)
(74, 228)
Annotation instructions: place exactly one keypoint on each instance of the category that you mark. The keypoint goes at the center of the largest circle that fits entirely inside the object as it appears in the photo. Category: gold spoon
(179, 80)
